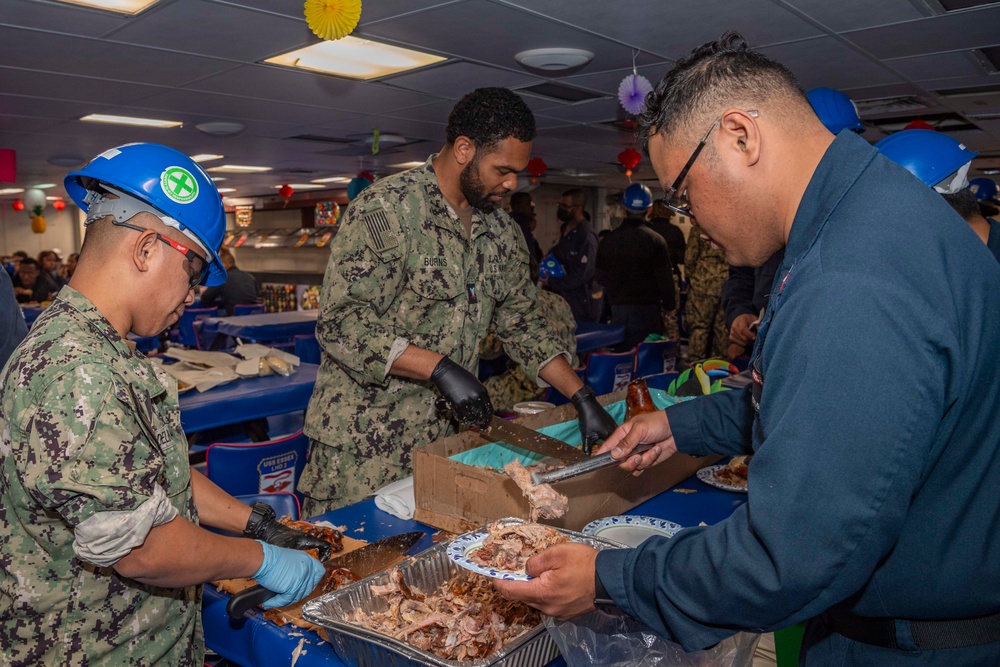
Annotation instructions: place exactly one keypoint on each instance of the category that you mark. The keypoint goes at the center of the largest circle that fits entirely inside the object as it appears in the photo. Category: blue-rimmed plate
(463, 545)
(631, 531)
(707, 475)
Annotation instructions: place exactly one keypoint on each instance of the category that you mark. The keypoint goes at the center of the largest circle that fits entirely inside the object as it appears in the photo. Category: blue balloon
(355, 187)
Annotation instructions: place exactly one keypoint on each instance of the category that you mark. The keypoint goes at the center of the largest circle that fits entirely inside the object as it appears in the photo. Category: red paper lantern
(629, 158)
(285, 191)
(537, 166)
(367, 175)
(919, 124)
(59, 204)
(18, 205)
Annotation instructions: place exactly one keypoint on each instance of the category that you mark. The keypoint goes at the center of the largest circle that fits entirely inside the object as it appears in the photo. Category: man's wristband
(260, 513)
(601, 597)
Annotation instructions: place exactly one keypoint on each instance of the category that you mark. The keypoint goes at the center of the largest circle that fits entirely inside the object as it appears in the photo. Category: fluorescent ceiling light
(128, 120)
(238, 169)
(52, 198)
(355, 58)
(408, 165)
(205, 157)
(11, 191)
(44, 186)
(301, 186)
(218, 178)
(121, 6)
(332, 179)
(225, 190)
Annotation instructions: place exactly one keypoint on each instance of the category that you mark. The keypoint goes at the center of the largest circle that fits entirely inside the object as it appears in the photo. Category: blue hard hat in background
(637, 197)
(835, 110)
(983, 188)
(930, 156)
(169, 182)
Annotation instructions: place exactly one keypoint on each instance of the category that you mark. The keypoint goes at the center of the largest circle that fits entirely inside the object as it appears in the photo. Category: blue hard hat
(983, 188)
(637, 197)
(835, 110)
(166, 180)
(930, 156)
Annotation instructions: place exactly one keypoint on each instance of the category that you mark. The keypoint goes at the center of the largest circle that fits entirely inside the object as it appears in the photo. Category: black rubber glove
(595, 423)
(263, 526)
(465, 394)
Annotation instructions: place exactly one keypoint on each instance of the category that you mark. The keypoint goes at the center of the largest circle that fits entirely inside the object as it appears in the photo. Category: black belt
(927, 635)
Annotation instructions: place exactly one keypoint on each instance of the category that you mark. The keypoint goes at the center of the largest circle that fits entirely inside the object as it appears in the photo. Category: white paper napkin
(397, 498)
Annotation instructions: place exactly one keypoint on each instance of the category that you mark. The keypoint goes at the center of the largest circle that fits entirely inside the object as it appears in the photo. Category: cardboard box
(458, 498)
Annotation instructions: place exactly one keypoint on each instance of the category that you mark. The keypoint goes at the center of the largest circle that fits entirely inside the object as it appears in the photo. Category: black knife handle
(247, 599)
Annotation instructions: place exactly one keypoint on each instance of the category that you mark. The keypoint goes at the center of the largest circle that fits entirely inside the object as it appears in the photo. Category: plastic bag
(618, 640)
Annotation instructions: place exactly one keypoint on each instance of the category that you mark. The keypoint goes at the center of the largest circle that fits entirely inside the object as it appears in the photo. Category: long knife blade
(533, 441)
(362, 562)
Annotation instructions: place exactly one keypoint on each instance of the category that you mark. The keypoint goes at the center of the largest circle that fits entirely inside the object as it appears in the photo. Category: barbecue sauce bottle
(638, 400)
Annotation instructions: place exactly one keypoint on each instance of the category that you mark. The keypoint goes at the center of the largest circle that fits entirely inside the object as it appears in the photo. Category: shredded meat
(510, 547)
(331, 535)
(735, 472)
(333, 579)
(464, 619)
(545, 502)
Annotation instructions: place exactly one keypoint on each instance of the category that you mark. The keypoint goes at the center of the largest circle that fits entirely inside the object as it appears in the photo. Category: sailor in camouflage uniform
(707, 271)
(422, 264)
(513, 386)
(101, 555)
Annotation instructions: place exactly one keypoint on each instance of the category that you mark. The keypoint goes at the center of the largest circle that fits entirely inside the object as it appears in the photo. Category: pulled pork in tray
(544, 501)
(464, 619)
(510, 547)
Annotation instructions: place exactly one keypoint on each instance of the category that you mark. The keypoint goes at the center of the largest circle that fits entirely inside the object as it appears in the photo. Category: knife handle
(247, 599)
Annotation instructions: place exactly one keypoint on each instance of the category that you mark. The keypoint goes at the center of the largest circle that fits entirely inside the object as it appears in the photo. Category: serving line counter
(247, 399)
(264, 327)
(256, 642)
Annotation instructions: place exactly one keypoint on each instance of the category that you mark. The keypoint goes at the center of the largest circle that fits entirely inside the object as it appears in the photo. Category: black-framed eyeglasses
(677, 202)
(196, 277)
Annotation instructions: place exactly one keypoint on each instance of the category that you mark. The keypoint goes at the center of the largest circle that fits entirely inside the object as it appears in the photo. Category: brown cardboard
(457, 497)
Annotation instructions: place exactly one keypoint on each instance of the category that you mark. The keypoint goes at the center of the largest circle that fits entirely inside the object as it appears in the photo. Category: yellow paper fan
(332, 19)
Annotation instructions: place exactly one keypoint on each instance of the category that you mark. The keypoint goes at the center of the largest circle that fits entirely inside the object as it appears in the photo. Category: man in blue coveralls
(872, 511)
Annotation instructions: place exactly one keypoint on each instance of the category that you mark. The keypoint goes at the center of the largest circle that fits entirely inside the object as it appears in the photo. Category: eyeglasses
(678, 203)
(196, 277)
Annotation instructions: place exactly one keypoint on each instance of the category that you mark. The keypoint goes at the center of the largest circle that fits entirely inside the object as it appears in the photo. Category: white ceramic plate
(631, 531)
(707, 475)
(463, 545)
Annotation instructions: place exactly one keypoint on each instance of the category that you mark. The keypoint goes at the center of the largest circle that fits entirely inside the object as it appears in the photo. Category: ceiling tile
(61, 18)
(436, 30)
(206, 105)
(67, 87)
(938, 66)
(449, 80)
(856, 14)
(950, 32)
(208, 30)
(825, 61)
(118, 62)
(17, 105)
(673, 29)
(285, 85)
(597, 111)
(608, 82)
(436, 112)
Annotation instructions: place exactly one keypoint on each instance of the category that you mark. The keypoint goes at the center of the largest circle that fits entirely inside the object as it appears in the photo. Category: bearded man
(423, 262)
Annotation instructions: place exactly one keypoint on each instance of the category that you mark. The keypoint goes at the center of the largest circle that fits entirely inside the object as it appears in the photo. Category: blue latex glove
(291, 573)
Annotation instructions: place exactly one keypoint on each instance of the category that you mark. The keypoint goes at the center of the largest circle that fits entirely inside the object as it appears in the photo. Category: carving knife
(533, 441)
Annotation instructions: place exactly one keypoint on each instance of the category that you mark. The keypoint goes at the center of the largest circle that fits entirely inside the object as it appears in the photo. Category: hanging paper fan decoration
(332, 19)
(632, 93)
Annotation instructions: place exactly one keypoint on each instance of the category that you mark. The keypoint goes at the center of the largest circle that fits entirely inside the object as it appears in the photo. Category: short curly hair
(487, 116)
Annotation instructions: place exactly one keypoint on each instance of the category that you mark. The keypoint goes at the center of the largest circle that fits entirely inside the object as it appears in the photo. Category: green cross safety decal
(179, 185)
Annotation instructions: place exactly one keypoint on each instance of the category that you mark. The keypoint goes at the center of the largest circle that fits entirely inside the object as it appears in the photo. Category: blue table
(31, 313)
(592, 336)
(247, 399)
(255, 642)
(268, 326)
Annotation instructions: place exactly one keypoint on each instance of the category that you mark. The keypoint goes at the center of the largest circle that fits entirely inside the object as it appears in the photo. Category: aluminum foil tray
(426, 570)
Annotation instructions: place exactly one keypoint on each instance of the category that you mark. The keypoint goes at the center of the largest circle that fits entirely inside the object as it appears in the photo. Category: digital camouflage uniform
(707, 271)
(402, 271)
(513, 386)
(93, 456)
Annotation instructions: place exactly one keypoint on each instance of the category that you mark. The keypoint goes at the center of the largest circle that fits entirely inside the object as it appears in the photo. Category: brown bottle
(638, 400)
